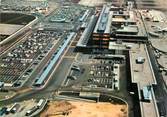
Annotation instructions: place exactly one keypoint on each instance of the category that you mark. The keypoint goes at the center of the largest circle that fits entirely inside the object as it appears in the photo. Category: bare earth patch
(84, 109)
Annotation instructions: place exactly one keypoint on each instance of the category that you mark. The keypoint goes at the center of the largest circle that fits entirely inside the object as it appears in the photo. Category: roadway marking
(71, 57)
(76, 56)
(75, 41)
(67, 74)
(23, 90)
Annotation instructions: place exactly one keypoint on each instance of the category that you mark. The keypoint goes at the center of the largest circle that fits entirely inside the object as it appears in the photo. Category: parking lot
(101, 75)
(67, 17)
(95, 73)
(24, 5)
(20, 109)
(15, 62)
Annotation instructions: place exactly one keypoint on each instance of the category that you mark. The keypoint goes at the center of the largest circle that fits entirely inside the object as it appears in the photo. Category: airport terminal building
(111, 24)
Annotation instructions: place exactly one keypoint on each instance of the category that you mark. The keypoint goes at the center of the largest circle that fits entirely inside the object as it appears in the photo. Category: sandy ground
(8, 29)
(5, 95)
(92, 2)
(84, 109)
(152, 4)
(161, 3)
